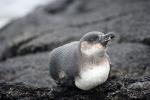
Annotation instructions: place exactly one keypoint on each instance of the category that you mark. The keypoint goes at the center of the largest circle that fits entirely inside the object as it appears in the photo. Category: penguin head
(95, 42)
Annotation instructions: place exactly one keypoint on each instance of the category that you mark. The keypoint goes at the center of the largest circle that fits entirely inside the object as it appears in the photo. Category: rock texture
(26, 42)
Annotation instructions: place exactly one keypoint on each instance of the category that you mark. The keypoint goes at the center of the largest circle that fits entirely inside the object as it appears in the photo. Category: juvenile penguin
(84, 64)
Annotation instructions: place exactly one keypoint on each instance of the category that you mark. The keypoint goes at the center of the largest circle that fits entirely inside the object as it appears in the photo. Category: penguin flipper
(108, 59)
(64, 80)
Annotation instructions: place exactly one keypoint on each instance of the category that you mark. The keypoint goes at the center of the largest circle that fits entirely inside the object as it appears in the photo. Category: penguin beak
(109, 36)
(106, 38)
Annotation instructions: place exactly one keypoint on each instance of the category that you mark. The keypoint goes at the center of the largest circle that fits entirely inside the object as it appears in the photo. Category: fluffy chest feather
(92, 76)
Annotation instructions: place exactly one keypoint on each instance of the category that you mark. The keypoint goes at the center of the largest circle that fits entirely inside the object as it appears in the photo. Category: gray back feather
(64, 58)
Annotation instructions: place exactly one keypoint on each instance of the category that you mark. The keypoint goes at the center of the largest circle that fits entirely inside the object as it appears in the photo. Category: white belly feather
(93, 76)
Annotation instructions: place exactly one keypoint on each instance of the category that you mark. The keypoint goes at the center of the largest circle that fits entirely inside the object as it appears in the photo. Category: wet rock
(31, 69)
(146, 41)
(130, 20)
(132, 58)
(58, 6)
(138, 89)
(132, 27)
(112, 89)
(13, 91)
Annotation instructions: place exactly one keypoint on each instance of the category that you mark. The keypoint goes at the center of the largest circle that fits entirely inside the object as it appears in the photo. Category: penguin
(83, 64)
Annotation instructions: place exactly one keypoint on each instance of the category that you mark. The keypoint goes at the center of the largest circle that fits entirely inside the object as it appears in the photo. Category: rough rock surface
(26, 42)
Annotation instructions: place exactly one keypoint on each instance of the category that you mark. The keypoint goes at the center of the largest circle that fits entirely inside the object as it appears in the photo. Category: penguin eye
(93, 38)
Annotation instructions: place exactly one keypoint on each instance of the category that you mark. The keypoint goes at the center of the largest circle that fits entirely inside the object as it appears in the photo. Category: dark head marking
(97, 37)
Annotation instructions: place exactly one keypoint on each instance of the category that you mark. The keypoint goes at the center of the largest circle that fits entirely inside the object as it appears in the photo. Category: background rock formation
(26, 42)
